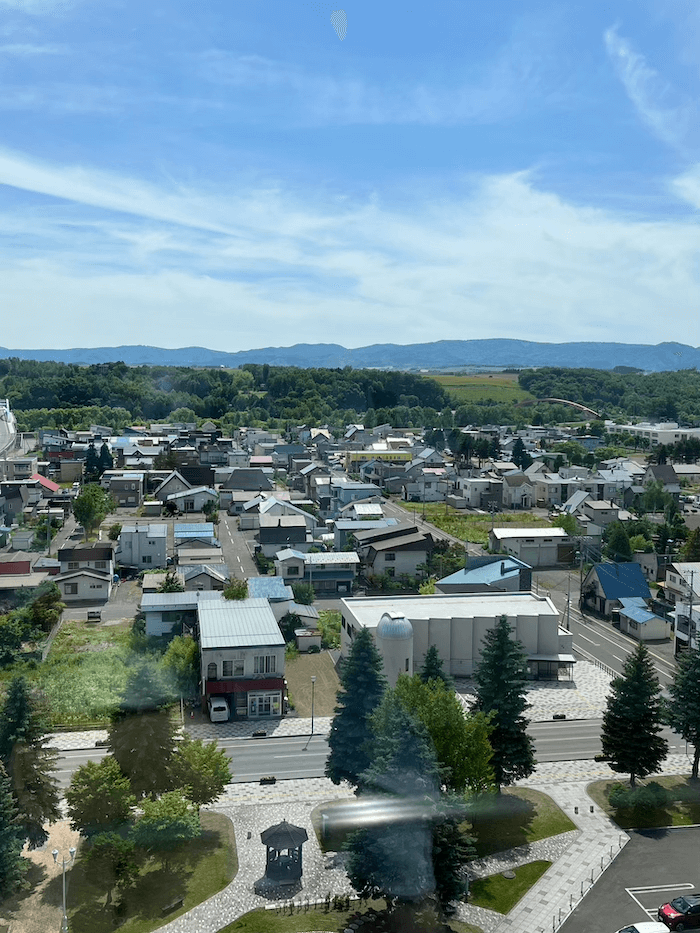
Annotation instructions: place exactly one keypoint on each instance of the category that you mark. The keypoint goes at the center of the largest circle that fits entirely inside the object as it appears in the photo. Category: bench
(169, 908)
(94, 615)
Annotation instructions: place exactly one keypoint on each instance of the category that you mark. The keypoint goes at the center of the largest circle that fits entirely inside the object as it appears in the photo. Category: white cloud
(500, 258)
(661, 108)
(28, 50)
(38, 7)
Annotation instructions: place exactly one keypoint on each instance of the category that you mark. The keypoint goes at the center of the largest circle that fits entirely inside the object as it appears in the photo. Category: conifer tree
(632, 720)
(362, 687)
(501, 678)
(433, 668)
(11, 839)
(684, 706)
(29, 763)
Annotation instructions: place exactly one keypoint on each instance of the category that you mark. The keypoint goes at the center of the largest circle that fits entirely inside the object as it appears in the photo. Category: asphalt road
(654, 867)
(304, 757)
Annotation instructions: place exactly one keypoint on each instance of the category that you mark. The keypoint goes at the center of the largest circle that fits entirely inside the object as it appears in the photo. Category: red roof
(46, 483)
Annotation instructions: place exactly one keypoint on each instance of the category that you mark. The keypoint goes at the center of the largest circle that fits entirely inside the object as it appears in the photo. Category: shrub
(645, 797)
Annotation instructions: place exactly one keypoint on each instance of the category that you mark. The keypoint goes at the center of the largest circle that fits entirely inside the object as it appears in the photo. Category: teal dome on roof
(394, 626)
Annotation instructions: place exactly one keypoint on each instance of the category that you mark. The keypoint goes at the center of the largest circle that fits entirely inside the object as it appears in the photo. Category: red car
(683, 913)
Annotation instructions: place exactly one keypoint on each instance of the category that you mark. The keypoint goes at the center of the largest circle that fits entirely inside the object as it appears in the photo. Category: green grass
(299, 671)
(499, 387)
(470, 527)
(318, 919)
(196, 872)
(514, 817)
(502, 894)
(683, 811)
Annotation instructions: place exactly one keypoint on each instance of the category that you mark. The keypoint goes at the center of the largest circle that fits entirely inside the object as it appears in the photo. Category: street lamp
(313, 689)
(55, 853)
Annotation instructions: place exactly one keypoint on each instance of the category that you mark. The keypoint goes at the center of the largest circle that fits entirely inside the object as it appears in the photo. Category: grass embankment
(483, 387)
(470, 527)
(682, 810)
(502, 894)
(195, 871)
(299, 671)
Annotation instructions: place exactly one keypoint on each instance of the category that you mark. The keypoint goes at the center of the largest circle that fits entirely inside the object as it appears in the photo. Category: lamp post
(313, 690)
(55, 853)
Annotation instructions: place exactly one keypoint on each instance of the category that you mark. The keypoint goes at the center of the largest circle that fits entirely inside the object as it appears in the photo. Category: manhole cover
(508, 874)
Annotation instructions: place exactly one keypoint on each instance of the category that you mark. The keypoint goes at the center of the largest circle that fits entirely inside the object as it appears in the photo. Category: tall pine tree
(11, 840)
(632, 719)
(362, 687)
(684, 706)
(501, 678)
(29, 763)
(433, 668)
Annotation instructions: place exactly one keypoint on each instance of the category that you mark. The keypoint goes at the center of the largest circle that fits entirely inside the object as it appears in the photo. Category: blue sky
(231, 174)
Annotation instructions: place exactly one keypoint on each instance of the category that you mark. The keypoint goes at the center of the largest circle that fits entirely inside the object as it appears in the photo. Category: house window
(293, 571)
(151, 543)
(189, 505)
(228, 668)
(70, 589)
(72, 564)
(265, 664)
(211, 670)
(390, 555)
(147, 559)
(407, 660)
(101, 564)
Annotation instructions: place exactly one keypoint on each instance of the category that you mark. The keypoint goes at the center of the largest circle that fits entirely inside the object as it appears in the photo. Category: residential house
(253, 481)
(606, 584)
(488, 573)
(204, 576)
(638, 621)
(327, 572)
(242, 657)
(143, 547)
(168, 614)
(682, 580)
(666, 475)
(174, 482)
(278, 531)
(517, 490)
(127, 487)
(194, 499)
(20, 573)
(395, 551)
(86, 573)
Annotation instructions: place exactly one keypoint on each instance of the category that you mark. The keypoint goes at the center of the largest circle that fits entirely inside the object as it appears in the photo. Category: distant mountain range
(444, 354)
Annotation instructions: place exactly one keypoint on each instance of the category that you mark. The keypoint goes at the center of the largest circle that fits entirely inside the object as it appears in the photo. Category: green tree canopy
(181, 664)
(632, 719)
(200, 771)
(92, 505)
(11, 839)
(433, 668)
(617, 542)
(112, 861)
(167, 822)
(501, 678)
(236, 589)
(99, 797)
(362, 685)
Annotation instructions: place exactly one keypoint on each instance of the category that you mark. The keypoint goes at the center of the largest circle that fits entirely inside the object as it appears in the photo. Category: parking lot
(654, 867)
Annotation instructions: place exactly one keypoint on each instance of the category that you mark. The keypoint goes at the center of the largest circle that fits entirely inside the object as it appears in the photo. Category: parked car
(645, 926)
(218, 709)
(682, 913)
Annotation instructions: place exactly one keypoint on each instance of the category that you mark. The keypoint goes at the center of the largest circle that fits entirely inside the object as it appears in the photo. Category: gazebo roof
(284, 836)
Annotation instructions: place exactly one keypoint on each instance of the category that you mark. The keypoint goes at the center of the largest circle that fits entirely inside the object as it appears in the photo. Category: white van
(218, 709)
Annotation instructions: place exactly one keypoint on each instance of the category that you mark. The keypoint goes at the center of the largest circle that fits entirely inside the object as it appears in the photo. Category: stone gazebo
(283, 865)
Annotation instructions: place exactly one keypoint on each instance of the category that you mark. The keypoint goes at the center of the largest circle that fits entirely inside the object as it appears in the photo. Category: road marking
(621, 660)
(596, 643)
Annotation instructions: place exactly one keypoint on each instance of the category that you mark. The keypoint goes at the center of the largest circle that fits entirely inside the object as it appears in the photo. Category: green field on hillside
(497, 387)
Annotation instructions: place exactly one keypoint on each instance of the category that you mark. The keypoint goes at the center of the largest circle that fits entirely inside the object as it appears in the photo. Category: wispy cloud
(497, 91)
(668, 114)
(38, 7)
(29, 50)
(503, 257)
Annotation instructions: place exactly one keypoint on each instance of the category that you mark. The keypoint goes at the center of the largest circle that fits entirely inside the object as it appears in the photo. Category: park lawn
(514, 817)
(684, 810)
(482, 387)
(314, 919)
(195, 871)
(502, 894)
(471, 527)
(299, 671)
(85, 673)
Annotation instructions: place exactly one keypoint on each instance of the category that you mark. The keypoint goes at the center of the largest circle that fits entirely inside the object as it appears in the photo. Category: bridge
(562, 401)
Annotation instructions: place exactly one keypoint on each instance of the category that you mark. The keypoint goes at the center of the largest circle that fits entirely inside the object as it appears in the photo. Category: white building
(456, 625)
(143, 546)
(539, 547)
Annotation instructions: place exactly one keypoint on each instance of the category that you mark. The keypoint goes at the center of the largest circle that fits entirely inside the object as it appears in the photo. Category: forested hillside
(666, 396)
(113, 394)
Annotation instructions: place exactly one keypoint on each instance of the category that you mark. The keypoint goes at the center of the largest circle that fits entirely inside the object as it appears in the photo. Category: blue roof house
(607, 584)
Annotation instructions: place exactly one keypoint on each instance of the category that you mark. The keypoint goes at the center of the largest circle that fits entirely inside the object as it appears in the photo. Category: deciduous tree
(200, 771)
(91, 506)
(112, 861)
(99, 797)
(501, 678)
(236, 589)
(167, 822)
(632, 719)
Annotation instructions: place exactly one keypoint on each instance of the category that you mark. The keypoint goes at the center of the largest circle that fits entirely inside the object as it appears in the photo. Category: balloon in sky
(340, 23)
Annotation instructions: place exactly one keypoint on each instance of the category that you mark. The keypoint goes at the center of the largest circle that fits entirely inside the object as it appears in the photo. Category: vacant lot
(299, 671)
(471, 527)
